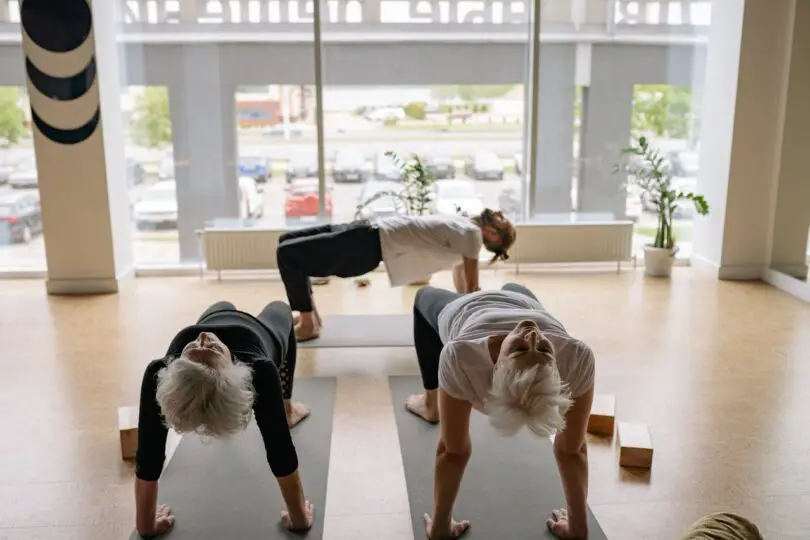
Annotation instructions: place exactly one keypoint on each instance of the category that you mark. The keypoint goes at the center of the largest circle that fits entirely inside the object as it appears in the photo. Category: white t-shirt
(465, 324)
(415, 247)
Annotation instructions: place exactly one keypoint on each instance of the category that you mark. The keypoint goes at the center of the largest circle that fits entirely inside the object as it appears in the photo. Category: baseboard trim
(789, 284)
(727, 272)
(66, 287)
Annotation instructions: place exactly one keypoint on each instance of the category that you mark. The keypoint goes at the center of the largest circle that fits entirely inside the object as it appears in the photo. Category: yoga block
(635, 445)
(128, 431)
(603, 415)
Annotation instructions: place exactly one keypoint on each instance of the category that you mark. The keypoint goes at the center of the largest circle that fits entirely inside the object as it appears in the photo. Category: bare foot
(296, 412)
(307, 328)
(297, 318)
(417, 404)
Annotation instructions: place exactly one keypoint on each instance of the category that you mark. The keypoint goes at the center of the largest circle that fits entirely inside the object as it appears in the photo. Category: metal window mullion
(317, 58)
(534, 82)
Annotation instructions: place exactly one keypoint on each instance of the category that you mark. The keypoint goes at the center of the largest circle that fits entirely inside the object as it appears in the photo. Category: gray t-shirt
(465, 324)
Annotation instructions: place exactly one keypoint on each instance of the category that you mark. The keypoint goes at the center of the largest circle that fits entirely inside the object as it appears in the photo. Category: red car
(301, 202)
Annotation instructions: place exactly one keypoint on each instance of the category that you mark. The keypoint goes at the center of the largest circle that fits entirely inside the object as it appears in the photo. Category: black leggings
(345, 250)
(278, 335)
(429, 303)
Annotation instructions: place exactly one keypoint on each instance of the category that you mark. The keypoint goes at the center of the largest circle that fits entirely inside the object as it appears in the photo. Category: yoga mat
(341, 331)
(225, 489)
(510, 486)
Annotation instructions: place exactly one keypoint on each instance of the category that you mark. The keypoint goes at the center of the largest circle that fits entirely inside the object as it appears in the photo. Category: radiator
(573, 243)
(239, 249)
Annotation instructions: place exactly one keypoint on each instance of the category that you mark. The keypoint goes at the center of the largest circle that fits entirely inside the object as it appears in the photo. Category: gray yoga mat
(509, 489)
(225, 489)
(342, 331)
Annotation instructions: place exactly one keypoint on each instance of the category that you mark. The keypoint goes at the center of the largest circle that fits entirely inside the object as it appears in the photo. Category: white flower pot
(658, 261)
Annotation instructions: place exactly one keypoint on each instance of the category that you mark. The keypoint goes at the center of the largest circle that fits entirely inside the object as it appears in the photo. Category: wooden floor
(720, 371)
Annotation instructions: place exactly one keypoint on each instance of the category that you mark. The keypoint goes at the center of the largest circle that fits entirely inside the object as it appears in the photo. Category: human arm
(452, 455)
(470, 266)
(571, 453)
(271, 418)
(150, 520)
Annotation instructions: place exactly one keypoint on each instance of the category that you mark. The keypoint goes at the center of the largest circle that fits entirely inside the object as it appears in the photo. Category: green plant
(12, 119)
(416, 195)
(151, 124)
(647, 170)
(416, 110)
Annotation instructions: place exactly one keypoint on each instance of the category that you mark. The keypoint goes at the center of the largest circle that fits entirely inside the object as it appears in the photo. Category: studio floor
(718, 370)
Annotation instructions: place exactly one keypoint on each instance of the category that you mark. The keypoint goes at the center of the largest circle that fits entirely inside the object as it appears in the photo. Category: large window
(21, 240)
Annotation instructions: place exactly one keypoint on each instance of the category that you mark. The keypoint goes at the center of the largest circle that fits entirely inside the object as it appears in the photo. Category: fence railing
(678, 17)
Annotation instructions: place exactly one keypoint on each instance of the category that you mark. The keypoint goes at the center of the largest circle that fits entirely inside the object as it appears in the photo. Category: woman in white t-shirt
(503, 354)
(412, 248)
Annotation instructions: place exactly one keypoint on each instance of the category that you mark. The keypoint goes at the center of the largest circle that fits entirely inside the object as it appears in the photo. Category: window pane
(21, 240)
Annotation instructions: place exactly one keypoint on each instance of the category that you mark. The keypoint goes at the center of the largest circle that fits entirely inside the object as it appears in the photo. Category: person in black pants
(411, 247)
(216, 375)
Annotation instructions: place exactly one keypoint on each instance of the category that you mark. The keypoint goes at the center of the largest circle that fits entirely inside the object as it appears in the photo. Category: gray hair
(196, 398)
(528, 395)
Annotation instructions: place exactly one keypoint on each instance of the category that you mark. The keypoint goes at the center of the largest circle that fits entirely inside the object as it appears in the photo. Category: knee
(282, 308)
(418, 299)
(285, 252)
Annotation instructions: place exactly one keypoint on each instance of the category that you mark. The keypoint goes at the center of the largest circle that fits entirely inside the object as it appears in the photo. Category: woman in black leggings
(412, 248)
(216, 375)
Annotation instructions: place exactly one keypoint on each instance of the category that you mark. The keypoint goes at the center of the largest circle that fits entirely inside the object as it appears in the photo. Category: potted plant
(416, 196)
(650, 172)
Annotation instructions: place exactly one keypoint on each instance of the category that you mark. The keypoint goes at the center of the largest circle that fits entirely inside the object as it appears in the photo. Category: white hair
(197, 398)
(528, 395)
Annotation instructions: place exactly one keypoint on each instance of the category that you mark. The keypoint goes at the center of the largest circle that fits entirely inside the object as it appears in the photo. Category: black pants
(278, 335)
(345, 250)
(429, 303)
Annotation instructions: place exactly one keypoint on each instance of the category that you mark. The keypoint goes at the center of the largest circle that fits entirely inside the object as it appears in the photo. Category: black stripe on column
(67, 136)
(62, 88)
(57, 25)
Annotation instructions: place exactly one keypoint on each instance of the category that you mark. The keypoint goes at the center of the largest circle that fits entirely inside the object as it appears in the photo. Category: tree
(12, 120)
(151, 125)
(415, 110)
(470, 92)
(663, 111)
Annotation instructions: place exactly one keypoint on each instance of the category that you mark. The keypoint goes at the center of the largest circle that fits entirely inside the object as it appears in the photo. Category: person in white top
(503, 354)
(412, 248)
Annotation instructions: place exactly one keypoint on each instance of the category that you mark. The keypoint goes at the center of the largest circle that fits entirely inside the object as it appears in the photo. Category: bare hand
(456, 529)
(560, 527)
(164, 520)
(309, 519)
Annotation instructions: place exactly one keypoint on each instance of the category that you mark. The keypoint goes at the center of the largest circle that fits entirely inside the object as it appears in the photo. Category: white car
(158, 205)
(455, 195)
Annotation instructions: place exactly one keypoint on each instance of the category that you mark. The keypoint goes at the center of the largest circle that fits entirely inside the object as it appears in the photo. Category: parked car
(518, 160)
(166, 168)
(385, 205)
(455, 195)
(302, 202)
(441, 167)
(20, 217)
(251, 198)
(25, 175)
(684, 163)
(349, 166)
(157, 207)
(302, 166)
(385, 169)
(485, 166)
(509, 201)
(5, 172)
(257, 167)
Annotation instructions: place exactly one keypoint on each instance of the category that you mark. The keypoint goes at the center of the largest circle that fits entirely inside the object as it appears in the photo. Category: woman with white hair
(217, 375)
(501, 353)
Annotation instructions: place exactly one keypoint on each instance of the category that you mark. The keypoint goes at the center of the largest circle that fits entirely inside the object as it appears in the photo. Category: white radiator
(573, 243)
(239, 249)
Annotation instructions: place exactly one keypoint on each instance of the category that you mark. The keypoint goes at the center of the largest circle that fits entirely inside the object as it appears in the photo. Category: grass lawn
(428, 126)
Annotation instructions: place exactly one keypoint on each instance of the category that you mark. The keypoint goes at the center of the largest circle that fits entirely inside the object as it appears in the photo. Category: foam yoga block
(635, 445)
(128, 431)
(603, 415)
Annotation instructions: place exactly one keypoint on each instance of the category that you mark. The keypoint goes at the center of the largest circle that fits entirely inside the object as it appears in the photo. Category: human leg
(219, 306)
(345, 251)
(514, 287)
(277, 316)
(428, 304)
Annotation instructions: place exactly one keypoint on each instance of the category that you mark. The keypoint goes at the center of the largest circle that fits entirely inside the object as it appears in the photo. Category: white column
(740, 144)
(792, 214)
(73, 82)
